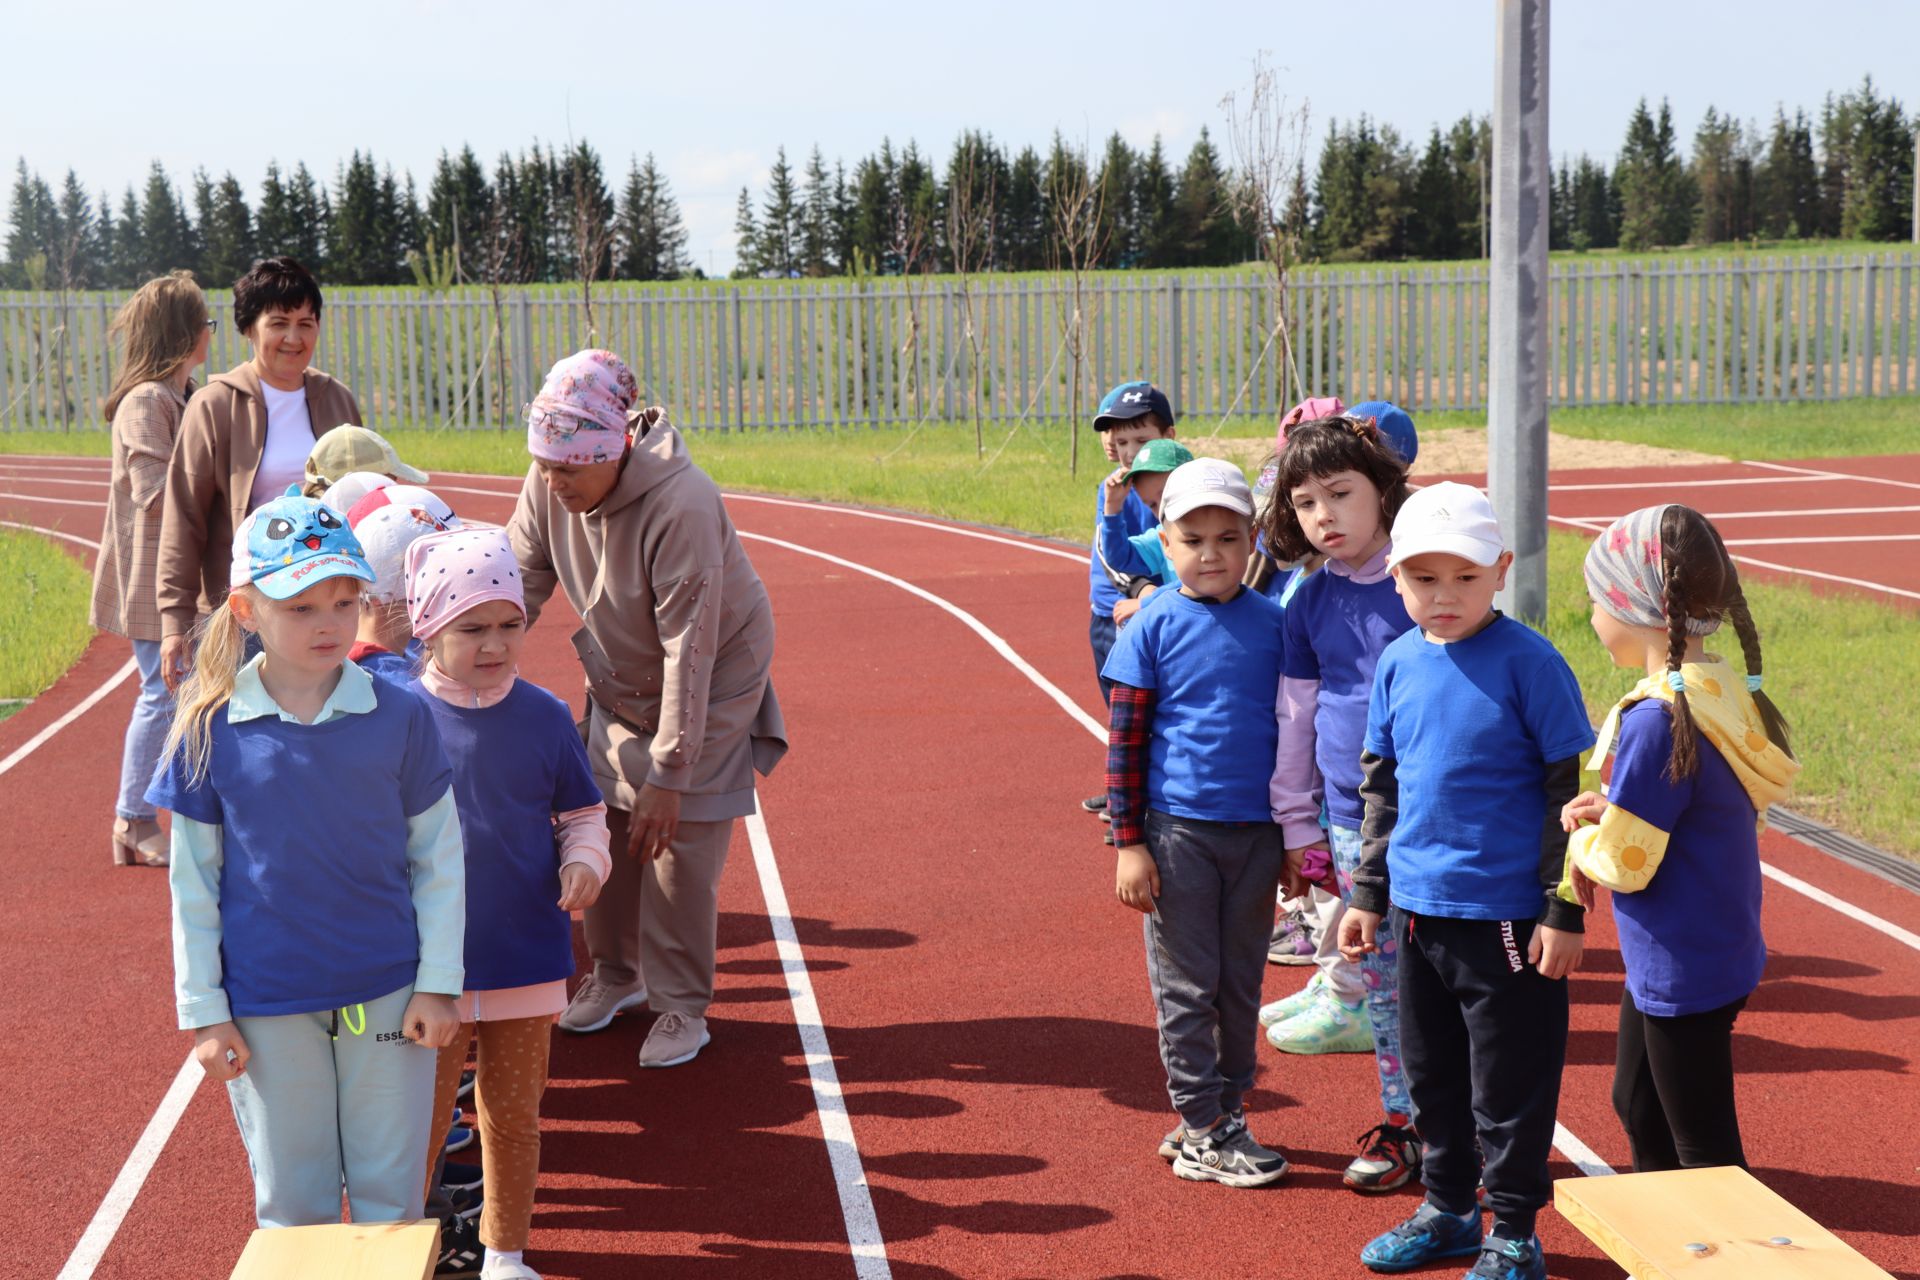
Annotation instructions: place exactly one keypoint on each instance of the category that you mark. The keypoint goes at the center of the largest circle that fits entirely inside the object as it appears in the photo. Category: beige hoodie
(678, 637)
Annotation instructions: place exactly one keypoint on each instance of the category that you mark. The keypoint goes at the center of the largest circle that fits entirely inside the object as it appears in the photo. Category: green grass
(44, 596)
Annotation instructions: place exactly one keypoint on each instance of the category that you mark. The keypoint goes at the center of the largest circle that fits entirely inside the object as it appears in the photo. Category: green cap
(1159, 455)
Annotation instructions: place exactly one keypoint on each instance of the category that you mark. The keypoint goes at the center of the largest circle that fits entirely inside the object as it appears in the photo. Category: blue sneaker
(1430, 1233)
(1509, 1260)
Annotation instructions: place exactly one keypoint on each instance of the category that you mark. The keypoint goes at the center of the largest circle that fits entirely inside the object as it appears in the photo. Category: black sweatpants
(1483, 1037)
(1673, 1088)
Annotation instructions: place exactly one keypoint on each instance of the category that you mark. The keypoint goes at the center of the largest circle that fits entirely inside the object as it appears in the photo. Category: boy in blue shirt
(1198, 853)
(1474, 737)
(1138, 555)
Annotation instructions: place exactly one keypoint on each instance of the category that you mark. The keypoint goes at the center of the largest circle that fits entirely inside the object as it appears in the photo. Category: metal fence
(772, 355)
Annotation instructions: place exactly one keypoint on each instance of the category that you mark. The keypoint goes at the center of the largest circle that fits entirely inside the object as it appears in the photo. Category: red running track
(982, 997)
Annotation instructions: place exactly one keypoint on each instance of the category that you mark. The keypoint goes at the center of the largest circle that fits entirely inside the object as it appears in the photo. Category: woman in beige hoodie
(676, 643)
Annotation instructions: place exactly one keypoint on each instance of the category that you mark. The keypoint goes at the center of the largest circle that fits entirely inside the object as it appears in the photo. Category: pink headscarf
(1306, 411)
(449, 573)
(580, 415)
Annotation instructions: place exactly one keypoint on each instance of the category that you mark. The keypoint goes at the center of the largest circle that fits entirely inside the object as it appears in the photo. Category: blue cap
(290, 543)
(1394, 424)
(1131, 400)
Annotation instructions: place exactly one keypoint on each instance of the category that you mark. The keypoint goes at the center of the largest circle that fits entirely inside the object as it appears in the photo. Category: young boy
(1473, 744)
(1139, 555)
(1192, 707)
(388, 521)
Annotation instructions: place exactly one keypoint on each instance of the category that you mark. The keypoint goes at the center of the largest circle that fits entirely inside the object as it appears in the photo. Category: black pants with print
(1673, 1088)
(1484, 1038)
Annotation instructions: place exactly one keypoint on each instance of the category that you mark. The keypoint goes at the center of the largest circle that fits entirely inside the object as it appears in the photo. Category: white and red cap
(387, 521)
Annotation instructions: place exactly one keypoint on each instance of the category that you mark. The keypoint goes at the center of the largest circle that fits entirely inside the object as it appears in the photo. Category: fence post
(1176, 369)
(1870, 274)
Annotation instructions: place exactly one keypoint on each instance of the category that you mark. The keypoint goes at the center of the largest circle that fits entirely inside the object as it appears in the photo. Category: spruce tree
(129, 254)
(749, 259)
(32, 227)
(1656, 192)
(1723, 176)
(166, 236)
(459, 204)
(354, 230)
(1433, 229)
(1155, 217)
(227, 246)
(1120, 214)
(780, 220)
(650, 239)
(1023, 216)
(1787, 183)
(77, 259)
(106, 235)
(311, 216)
(273, 224)
(815, 219)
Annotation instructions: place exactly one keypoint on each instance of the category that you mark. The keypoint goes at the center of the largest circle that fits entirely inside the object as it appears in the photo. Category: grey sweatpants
(335, 1097)
(1207, 953)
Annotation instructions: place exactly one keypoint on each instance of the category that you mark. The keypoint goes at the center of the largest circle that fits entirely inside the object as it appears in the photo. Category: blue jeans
(1101, 634)
(1380, 971)
(146, 733)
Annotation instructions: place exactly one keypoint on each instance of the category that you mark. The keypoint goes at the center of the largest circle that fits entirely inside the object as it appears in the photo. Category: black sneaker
(1095, 804)
(1227, 1154)
(460, 1177)
(466, 1201)
(466, 1084)
(461, 1252)
(1389, 1159)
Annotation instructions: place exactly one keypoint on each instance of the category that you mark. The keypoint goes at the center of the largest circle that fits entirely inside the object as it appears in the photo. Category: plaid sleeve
(1130, 718)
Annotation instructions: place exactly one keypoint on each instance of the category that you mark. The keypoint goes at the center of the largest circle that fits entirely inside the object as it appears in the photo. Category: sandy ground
(1463, 450)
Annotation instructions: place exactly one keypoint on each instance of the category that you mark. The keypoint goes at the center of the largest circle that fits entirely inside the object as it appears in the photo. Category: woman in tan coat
(677, 644)
(164, 330)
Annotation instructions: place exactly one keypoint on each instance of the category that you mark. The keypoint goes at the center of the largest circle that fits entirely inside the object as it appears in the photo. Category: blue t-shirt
(397, 668)
(1691, 939)
(515, 765)
(1138, 518)
(1215, 671)
(1472, 726)
(1336, 630)
(316, 898)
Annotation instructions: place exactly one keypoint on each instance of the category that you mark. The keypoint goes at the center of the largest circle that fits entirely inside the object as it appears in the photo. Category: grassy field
(43, 615)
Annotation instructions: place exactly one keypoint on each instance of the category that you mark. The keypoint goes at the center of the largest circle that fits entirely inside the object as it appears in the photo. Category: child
(388, 521)
(1129, 415)
(1340, 485)
(349, 448)
(1139, 555)
(318, 889)
(1472, 748)
(1193, 678)
(1699, 754)
(343, 493)
(524, 784)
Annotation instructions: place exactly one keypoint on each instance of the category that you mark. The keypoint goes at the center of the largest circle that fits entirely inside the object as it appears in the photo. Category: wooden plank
(347, 1251)
(1737, 1228)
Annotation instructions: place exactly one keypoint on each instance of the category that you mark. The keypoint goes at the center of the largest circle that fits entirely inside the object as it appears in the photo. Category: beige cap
(349, 448)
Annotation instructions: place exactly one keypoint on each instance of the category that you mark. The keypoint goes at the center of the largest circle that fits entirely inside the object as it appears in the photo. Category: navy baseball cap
(1394, 423)
(1131, 400)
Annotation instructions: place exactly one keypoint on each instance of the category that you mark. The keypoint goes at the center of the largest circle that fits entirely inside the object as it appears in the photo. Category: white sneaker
(501, 1269)
(596, 1003)
(1297, 1003)
(675, 1038)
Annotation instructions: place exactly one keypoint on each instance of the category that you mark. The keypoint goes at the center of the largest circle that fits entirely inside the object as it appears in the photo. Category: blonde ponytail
(220, 649)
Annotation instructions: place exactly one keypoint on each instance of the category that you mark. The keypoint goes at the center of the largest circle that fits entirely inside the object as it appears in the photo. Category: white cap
(1447, 517)
(389, 520)
(1205, 482)
(343, 493)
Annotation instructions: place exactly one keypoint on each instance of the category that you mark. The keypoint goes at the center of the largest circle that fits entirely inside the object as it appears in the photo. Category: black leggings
(1673, 1088)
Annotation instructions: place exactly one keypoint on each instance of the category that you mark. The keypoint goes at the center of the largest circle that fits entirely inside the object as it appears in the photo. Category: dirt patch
(1463, 450)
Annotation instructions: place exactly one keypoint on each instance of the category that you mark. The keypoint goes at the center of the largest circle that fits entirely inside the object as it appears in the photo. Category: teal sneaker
(1297, 1003)
(1430, 1234)
(1328, 1026)
(1502, 1259)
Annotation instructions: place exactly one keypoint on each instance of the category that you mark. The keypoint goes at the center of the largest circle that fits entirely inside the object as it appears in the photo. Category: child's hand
(1115, 492)
(1136, 880)
(579, 887)
(1124, 609)
(221, 1051)
(1358, 931)
(1583, 887)
(1554, 952)
(1585, 807)
(430, 1021)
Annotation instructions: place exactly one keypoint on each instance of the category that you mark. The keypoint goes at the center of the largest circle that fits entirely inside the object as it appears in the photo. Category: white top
(289, 440)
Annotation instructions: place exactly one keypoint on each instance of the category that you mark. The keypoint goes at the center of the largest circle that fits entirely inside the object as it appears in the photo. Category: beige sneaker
(594, 1005)
(675, 1038)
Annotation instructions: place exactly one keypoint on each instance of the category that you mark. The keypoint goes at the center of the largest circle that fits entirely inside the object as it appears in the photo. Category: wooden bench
(348, 1251)
(1704, 1224)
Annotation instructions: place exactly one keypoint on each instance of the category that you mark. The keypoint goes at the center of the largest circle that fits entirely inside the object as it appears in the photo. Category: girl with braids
(1699, 753)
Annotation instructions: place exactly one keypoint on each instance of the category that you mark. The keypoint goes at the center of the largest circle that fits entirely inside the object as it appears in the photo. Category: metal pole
(1517, 347)
(1916, 186)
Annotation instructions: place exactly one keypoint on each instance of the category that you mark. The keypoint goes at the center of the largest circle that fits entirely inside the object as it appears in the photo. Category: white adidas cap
(1447, 517)
(1205, 482)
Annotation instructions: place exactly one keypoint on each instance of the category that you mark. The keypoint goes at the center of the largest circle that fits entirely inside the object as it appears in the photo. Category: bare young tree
(909, 242)
(971, 196)
(1074, 212)
(1267, 136)
(504, 260)
(592, 242)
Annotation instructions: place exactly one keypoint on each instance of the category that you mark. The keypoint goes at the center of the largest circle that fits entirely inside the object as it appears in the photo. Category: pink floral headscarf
(580, 415)
(1627, 577)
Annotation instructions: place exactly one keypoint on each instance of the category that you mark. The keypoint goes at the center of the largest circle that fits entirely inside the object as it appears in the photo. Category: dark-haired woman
(164, 330)
(245, 438)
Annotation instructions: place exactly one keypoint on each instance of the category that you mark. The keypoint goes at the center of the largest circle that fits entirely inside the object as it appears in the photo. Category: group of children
(1314, 697)
(379, 833)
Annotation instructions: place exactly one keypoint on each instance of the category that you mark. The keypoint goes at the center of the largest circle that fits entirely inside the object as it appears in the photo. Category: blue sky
(712, 88)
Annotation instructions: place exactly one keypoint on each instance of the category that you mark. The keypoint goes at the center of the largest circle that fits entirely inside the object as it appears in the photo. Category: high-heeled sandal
(139, 843)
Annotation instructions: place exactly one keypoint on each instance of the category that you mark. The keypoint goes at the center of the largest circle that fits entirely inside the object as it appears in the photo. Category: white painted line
(120, 1196)
(1815, 473)
(1595, 526)
(1078, 557)
(1677, 483)
(843, 1153)
(1845, 908)
(1584, 1157)
(51, 533)
(85, 705)
(92, 482)
(1831, 538)
(1785, 513)
(65, 502)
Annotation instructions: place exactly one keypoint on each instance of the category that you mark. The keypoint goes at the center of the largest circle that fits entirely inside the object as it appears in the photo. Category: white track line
(1845, 908)
(1078, 557)
(1790, 512)
(64, 502)
(1816, 473)
(1814, 542)
(1641, 485)
(126, 1186)
(85, 705)
(849, 1175)
(1584, 1157)
(1595, 526)
(51, 533)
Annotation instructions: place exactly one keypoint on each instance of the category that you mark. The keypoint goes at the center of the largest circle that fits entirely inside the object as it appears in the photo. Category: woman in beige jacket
(676, 643)
(164, 329)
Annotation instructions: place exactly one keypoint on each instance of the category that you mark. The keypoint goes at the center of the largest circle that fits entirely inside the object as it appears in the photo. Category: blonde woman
(163, 330)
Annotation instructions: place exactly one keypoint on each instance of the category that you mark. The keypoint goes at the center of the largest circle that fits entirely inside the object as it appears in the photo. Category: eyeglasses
(213, 324)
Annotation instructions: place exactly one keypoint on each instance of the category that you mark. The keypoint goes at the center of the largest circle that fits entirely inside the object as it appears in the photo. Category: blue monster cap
(290, 543)
(1132, 400)
(1394, 423)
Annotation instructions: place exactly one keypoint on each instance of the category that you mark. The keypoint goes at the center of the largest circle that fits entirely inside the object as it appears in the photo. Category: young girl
(524, 785)
(318, 882)
(1699, 754)
(1339, 487)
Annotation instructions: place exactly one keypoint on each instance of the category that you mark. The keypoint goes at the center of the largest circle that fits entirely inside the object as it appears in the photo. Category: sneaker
(460, 1177)
(1292, 1006)
(460, 1249)
(1292, 941)
(466, 1084)
(1329, 1026)
(466, 1201)
(675, 1038)
(1095, 804)
(501, 1269)
(1227, 1154)
(1170, 1145)
(1389, 1157)
(458, 1139)
(595, 1004)
(1502, 1259)
(1429, 1234)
